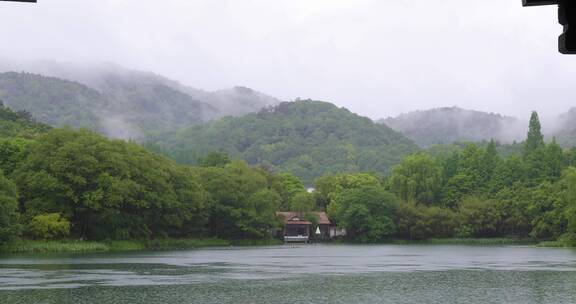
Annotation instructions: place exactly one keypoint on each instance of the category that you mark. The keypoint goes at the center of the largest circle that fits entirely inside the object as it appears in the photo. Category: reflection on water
(301, 274)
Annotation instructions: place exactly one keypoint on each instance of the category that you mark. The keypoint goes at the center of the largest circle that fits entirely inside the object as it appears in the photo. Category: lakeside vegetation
(75, 246)
(472, 193)
(61, 185)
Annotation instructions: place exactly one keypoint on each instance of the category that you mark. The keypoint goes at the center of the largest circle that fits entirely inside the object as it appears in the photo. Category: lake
(297, 274)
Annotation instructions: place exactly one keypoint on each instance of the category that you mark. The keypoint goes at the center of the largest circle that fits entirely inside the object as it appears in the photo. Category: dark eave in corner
(540, 2)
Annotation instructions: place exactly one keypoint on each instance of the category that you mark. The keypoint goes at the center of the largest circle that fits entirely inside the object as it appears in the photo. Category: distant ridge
(451, 124)
(565, 131)
(116, 101)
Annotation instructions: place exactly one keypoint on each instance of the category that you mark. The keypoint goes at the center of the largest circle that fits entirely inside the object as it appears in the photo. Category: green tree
(418, 178)
(109, 189)
(554, 159)
(458, 187)
(12, 153)
(9, 227)
(214, 159)
(367, 213)
(568, 186)
(328, 187)
(535, 152)
(546, 211)
(507, 173)
(243, 204)
(535, 139)
(490, 162)
(418, 222)
(471, 165)
(479, 218)
(475, 168)
(303, 202)
(514, 205)
(259, 216)
(287, 186)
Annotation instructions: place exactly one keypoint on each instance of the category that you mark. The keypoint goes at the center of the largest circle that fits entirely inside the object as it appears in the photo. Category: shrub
(49, 226)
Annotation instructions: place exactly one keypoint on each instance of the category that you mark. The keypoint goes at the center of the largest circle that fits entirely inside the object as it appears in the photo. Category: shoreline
(76, 246)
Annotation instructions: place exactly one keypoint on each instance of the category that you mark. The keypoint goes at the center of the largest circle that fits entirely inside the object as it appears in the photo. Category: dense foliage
(9, 226)
(65, 183)
(243, 206)
(468, 191)
(108, 188)
(306, 138)
(18, 124)
(366, 212)
(17, 131)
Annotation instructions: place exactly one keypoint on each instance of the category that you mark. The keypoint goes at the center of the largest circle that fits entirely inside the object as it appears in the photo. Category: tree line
(65, 183)
(468, 192)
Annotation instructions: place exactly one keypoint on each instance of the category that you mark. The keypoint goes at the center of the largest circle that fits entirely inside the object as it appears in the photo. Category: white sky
(375, 57)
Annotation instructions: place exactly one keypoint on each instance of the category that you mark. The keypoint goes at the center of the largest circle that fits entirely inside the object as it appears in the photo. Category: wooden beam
(539, 2)
(567, 17)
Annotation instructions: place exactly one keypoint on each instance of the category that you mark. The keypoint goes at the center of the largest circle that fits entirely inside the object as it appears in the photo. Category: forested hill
(53, 101)
(116, 101)
(452, 124)
(306, 138)
(123, 110)
(19, 124)
(131, 86)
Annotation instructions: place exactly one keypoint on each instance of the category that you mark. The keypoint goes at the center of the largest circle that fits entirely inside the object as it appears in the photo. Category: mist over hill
(565, 131)
(53, 101)
(306, 138)
(453, 124)
(127, 104)
(122, 103)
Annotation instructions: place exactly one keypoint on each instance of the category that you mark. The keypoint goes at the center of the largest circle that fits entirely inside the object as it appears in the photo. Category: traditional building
(299, 229)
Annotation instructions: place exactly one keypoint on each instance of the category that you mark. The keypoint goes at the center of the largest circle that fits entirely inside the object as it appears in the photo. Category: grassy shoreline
(75, 246)
(470, 241)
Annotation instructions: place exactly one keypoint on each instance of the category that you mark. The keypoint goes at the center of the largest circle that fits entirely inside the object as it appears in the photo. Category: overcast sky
(375, 57)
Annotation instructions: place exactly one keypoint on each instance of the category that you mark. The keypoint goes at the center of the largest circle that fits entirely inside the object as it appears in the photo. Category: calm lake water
(300, 274)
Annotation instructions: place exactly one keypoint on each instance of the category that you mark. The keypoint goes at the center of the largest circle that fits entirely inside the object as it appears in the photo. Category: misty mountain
(53, 101)
(119, 102)
(453, 124)
(306, 138)
(565, 131)
(112, 79)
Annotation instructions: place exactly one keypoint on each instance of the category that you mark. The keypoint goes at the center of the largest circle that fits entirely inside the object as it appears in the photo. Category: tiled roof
(297, 223)
(288, 216)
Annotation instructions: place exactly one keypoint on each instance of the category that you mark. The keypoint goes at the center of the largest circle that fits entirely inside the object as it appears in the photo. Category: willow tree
(418, 178)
